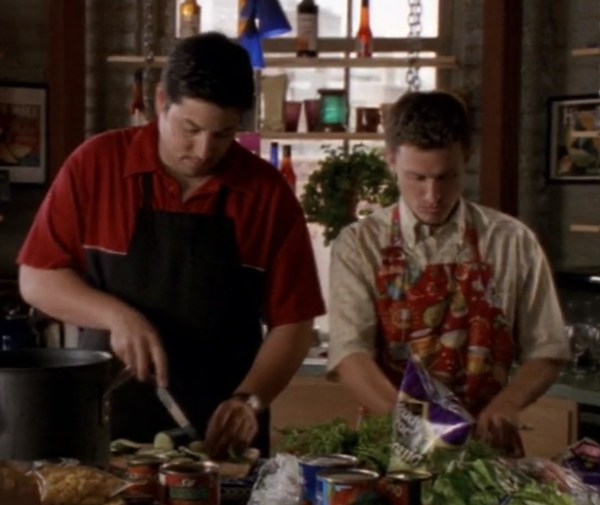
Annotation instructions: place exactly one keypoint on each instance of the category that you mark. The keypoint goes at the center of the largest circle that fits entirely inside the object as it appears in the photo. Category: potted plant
(345, 180)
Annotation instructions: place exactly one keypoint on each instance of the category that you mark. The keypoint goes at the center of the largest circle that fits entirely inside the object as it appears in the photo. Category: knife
(176, 413)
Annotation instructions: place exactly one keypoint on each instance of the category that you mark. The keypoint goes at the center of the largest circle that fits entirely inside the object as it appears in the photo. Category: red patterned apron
(448, 315)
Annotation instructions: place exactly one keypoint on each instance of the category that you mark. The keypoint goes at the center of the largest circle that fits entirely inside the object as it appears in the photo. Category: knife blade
(176, 413)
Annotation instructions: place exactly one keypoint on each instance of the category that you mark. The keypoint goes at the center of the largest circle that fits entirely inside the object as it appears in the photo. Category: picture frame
(24, 131)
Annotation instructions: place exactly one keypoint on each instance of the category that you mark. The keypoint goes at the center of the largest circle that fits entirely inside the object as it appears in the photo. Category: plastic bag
(583, 459)
(566, 481)
(77, 485)
(431, 427)
(279, 482)
(16, 486)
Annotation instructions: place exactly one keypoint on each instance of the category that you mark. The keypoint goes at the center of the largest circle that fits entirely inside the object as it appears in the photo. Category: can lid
(145, 460)
(190, 467)
(347, 476)
(330, 460)
(408, 476)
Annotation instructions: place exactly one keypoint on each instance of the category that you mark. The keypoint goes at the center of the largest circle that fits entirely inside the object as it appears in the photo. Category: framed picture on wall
(573, 146)
(23, 131)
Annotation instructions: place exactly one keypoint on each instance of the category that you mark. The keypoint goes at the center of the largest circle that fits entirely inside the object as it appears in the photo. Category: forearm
(278, 360)
(64, 295)
(532, 380)
(361, 375)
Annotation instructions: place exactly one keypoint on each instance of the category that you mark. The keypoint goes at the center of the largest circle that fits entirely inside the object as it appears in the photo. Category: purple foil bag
(431, 427)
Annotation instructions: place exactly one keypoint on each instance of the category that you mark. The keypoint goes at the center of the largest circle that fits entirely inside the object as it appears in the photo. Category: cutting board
(227, 469)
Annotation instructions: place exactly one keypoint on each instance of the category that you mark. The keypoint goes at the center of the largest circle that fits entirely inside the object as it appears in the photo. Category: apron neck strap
(221, 203)
(147, 190)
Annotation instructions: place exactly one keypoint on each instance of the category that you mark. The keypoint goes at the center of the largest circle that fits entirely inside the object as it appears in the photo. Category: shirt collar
(234, 170)
(413, 231)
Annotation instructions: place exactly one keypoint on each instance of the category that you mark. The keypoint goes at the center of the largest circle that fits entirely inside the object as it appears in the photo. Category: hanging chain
(148, 38)
(415, 10)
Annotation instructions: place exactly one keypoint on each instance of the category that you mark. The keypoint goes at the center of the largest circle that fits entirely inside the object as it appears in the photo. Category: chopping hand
(232, 426)
(136, 343)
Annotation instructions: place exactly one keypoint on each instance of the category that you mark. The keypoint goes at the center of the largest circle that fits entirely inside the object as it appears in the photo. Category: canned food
(190, 483)
(404, 488)
(142, 473)
(347, 487)
(312, 465)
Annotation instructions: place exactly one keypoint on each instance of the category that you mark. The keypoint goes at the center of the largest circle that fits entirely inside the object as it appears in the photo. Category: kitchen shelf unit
(586, 51)
(279, 53)
(294, 62)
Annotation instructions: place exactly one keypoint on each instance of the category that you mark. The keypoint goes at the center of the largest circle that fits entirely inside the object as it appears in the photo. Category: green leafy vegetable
(489, 482)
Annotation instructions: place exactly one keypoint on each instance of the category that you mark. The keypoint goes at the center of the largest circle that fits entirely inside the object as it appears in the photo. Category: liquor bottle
(364, 37)
(308, 28)
(190, 14)
(137, 109)
(287, 168)
(274, 154)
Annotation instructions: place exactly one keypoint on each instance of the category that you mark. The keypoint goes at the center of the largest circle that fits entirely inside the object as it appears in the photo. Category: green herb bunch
(343, 180)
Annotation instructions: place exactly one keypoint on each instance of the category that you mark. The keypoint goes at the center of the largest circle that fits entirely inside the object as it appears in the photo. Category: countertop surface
(584, 390)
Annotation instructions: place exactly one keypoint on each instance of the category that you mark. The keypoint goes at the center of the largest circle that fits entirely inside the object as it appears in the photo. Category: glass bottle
(364, 37)
(287, 167)
(274, 154)
(190, 14)
(307, 14)
(136, 106)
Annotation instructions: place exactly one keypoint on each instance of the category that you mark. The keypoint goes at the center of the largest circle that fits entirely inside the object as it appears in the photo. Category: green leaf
(343, 180)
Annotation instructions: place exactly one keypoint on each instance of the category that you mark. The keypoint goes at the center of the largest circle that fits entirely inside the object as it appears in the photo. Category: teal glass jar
(333, 110)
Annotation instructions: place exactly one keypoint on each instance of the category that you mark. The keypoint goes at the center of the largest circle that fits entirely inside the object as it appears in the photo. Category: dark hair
(428, 120)
(211, 67)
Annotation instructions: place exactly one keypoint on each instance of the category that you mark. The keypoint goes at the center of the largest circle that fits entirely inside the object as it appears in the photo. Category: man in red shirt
(169, 244)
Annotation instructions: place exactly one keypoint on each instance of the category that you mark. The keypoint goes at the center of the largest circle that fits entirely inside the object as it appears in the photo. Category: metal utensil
(176, 413)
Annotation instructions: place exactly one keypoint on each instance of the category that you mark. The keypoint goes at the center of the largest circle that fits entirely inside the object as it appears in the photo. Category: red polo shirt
(94, 199)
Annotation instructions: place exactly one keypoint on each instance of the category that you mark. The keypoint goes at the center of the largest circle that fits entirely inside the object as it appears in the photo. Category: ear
(390, 157)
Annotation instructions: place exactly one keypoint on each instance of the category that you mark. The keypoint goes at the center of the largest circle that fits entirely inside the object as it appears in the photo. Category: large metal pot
(54, 403)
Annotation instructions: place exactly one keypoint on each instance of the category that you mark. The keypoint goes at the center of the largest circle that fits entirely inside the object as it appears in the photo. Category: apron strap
(147, 190)
(221, 203)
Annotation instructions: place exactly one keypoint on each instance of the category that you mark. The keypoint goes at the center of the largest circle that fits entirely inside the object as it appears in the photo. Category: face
(194, 134)
(430, 180)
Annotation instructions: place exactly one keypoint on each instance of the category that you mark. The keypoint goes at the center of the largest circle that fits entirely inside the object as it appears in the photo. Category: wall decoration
(573, 145)
(23, 131)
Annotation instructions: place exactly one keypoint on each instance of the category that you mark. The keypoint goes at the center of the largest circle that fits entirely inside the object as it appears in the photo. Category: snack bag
(430, 425)
(77, 485)
(583, 459)
(16, 486)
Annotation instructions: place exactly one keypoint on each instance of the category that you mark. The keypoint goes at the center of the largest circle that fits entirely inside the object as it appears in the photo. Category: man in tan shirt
(465, 288)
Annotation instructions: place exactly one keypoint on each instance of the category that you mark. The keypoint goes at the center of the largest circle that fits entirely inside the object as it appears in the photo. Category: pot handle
(121, 378)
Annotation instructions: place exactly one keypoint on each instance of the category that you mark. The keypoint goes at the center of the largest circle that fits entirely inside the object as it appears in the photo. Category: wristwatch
(250, 399)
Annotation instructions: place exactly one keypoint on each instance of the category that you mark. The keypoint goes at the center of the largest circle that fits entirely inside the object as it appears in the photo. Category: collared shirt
(523, 277)
(94, 200)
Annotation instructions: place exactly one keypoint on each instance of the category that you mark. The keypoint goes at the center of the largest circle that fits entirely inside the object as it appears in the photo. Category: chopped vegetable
(170, 439)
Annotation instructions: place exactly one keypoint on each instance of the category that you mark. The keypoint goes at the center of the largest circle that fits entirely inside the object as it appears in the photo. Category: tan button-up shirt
(523, 277)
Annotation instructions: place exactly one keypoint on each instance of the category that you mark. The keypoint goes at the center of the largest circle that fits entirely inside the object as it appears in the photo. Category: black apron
(183, 273)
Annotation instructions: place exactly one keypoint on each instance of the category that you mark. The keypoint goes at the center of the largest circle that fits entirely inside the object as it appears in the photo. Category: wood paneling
(501, 107)
(66, 79)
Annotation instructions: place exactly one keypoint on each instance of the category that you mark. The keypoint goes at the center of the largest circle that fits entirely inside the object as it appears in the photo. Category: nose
(433, 192)
(203, 145)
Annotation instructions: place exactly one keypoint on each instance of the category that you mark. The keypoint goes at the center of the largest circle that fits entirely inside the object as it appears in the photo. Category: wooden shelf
(312, 136)
(586, 51)
(292, 62)
(590, 134)
(584, 228)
